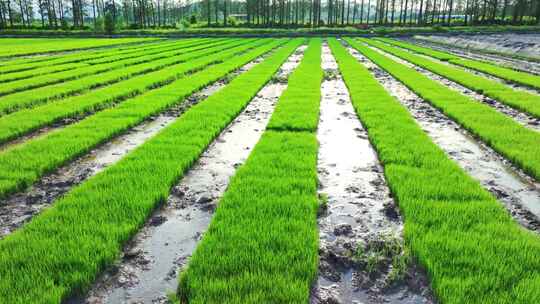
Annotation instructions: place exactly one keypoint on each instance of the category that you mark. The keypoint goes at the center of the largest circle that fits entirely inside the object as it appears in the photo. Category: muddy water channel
(21, 207)
(360, 220)
(522, 118)
(519, 193)
(149, 267)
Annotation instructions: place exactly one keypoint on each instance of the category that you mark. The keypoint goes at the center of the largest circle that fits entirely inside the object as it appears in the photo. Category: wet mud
(150, 264)
(513, 63)
(359, 224)
(508, 43)
(520, 117)
(19, 208)
(519, 193)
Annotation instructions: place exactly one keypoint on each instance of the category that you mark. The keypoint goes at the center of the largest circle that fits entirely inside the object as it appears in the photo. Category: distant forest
(140, 14)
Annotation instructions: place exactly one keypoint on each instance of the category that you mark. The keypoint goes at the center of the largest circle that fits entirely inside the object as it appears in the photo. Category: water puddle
(149, 267)
(518, 192)
(522, 118)
(19, 208)
(361, 216)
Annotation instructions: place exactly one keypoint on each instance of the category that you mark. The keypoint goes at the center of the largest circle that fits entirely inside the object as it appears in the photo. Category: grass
(262, 244)
(122, 62)
(21, 165)
(521, 100)
(473, 251)
(28, 46)
(47, 94)
(83, 232)
(516, 142)
(507, 74)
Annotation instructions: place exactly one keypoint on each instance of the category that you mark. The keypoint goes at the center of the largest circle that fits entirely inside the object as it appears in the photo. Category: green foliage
(262, 244)
(193, 19)
(516, 142)
(471, 248)
(46, 153)
(109, 24)
(85, 230)
(518, 99)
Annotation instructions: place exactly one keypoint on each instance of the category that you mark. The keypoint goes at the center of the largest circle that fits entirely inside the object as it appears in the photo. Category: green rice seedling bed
(24, 64)
(44, 80)
(521, 100)
(83, 232)
(106, 57)
(22, 165)
(27, 120)
(31, 98)
(478, 65)
(514, 141)
(298, 108)
(262, 243)
(472, 250)
(29, 46)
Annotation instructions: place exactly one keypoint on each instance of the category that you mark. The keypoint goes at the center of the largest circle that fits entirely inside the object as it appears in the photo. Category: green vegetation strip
(262, 244)
(61, 251)
(81, 73)
(521, 100)
(27, 120)
(516, 142)
(31, 98)
(478, 65)
(18, 65)
(29, 46)
(21, 165)
(471, 248)
(106, 57)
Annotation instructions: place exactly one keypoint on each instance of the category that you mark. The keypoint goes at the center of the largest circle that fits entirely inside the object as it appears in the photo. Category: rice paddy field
(269, 170)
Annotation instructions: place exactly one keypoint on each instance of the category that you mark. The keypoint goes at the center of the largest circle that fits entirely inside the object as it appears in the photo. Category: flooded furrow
(512, 63)
(359, 217)
(519, 193)
(19, 208)
(150, 264)
(520, 117)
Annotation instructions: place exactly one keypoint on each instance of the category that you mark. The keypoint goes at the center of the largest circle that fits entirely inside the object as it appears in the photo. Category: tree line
(89, 14)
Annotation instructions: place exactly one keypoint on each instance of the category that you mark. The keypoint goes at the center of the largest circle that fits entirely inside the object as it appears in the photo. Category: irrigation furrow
(519, 193)
(46, 81)
(55, 150)
(151, 262)
(359, 213)
(520, 117)
(512, 63)
(103, 83)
